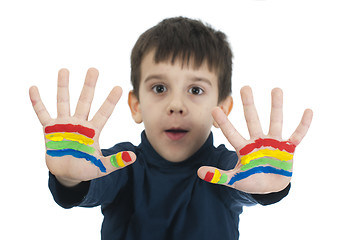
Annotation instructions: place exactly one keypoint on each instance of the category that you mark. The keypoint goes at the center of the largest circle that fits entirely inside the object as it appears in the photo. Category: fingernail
(208, 176)
(126, 157)
(118, 159)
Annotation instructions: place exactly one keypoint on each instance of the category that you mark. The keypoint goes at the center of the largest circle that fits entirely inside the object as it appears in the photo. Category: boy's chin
(177, 155)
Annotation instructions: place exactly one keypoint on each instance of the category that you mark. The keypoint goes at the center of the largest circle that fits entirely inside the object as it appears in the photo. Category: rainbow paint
(118, 159)
(253, 159)
(64, 141)
(216, 177)
(270, 161)
(69, 136)
(261, 169)
(268, 142)
(77, 154)
(70, 145)
(278, 154)
(88, 132)
(208, 176)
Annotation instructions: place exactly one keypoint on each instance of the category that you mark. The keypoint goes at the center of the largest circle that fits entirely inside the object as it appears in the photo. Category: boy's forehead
(149, 62)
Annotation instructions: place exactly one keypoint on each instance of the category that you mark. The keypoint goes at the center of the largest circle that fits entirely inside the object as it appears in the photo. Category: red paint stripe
(209, 176)
(126, 157)
(88, 132)
(268, 142)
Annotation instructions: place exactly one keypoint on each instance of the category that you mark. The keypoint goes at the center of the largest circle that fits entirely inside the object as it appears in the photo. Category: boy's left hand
(265, 161)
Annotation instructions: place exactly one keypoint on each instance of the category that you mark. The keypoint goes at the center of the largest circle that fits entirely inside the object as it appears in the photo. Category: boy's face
(175, 104)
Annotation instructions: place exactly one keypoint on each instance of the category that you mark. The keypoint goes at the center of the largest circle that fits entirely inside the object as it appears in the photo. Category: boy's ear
(226, 105)
(134, 107)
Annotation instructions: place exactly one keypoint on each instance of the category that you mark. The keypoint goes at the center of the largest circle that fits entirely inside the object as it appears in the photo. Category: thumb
(119, 160)
(215, 175)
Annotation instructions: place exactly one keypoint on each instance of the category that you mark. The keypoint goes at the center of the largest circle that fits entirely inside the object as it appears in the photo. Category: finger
(250, 113)
(303, 127)
(87, 93)
(63, 98)
(276, 115)
(105, 111)
(38, 106)
(215, 175)
(229, 131)
(118, 161)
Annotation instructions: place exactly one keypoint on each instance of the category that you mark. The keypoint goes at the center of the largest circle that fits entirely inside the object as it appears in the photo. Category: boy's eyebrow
(155, 76)
(200, 79)
(162, 77)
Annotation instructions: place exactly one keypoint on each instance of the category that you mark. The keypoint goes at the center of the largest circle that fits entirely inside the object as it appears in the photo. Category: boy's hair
(185, 39)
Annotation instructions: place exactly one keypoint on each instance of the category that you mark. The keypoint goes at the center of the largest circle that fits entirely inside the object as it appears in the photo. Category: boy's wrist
(271, 198)
(67, 182)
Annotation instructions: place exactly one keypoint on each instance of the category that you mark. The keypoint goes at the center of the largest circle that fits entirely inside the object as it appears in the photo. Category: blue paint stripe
(77, 154)
(260, 169)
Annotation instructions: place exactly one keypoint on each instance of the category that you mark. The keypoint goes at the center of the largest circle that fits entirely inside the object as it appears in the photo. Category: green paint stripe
(70, 145)
(223, 179)
(263, 161)
(114, 161)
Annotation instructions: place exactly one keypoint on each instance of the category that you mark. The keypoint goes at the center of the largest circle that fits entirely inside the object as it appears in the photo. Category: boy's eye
(196, 90)
(159, 88)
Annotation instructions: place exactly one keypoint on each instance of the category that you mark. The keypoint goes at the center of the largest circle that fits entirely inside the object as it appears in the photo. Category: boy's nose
(176, 106)
(180, 111)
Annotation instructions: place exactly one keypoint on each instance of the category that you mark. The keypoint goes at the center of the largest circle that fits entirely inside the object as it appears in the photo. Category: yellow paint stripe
(69, 136)
(120, 160)
(283, 156)
(216, 177)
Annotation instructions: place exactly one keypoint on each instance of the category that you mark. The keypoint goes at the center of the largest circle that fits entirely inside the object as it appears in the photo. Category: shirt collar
(197, 159)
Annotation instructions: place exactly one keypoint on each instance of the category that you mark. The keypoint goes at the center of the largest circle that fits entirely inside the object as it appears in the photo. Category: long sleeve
(67, 197)
(271, 198)
(92, 193)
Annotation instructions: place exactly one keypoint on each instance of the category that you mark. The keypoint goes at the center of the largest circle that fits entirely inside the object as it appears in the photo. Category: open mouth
(176, 133)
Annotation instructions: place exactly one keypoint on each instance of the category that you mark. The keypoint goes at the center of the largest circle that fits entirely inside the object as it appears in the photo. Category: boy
(181, 76)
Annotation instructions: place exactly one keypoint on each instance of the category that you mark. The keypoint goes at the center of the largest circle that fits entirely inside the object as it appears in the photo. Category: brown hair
(185, 39)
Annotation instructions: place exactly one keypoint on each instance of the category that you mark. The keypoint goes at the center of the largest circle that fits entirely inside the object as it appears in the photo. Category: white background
(289, 44)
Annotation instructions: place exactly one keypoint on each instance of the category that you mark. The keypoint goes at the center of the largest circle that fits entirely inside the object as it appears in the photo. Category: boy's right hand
(73, 154)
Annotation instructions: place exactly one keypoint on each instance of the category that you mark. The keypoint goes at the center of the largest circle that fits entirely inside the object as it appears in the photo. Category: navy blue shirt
(157, 199)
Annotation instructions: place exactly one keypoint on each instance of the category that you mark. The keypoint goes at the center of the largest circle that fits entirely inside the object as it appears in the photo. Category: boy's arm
(265, 162)
(73, 153)
(67, 197)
